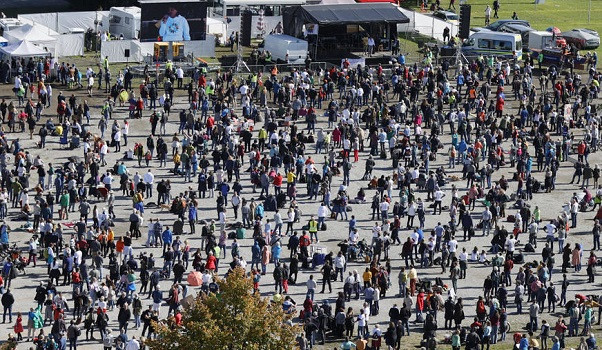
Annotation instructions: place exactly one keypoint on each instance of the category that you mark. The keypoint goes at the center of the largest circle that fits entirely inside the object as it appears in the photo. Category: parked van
(523, 30)
(489, 43)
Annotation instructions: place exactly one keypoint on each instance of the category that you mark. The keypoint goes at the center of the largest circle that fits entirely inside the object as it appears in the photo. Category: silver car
(583, 39)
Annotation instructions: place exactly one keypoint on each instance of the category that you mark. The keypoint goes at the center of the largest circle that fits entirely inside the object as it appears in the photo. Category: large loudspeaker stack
(464, 31)
(246, 20)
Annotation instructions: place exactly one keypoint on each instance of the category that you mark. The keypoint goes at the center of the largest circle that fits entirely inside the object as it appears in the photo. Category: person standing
(72, 333)
(487, 15)
(7, 302)
(496, 7)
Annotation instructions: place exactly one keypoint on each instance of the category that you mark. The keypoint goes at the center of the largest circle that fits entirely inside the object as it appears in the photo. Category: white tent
(217, 28)
(61, 22)
(115, 50)
(37, 34)
(22, 49)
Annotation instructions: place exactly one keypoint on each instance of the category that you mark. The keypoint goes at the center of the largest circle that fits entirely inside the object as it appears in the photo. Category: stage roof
(352, 13)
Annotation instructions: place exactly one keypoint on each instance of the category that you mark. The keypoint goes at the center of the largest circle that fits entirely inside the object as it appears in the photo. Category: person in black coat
(394, 314)
(391, 335)
(7, 302)
(430, 327)
(449, 312)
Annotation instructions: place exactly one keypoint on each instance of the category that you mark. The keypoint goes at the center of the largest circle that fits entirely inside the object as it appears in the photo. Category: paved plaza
(551, 204)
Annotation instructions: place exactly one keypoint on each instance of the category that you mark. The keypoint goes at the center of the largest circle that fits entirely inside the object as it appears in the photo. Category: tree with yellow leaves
(233, 319)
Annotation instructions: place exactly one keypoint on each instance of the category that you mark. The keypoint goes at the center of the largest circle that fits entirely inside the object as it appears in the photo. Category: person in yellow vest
(263, 136)
(290, 178)
(313, 228)
(209, 90)
(105, 63)
(169, 65)
(253, 81)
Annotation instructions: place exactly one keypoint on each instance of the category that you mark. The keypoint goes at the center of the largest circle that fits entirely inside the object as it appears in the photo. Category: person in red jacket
(499, 106)
(211, 262)
(277, 183)
(419, 304)
(139, 107)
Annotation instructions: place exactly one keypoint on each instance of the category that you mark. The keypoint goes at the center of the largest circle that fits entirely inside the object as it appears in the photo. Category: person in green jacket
(64, 202)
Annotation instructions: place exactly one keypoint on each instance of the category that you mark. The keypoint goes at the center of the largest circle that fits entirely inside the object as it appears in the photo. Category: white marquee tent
(22, 49)
(63, 21)
(37, 34)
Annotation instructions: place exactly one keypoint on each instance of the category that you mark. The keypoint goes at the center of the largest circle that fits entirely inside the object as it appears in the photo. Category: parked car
(448, 16)
(583, 39)
(497, 24)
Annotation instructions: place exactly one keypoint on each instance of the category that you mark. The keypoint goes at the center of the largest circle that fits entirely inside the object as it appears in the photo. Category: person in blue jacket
(167, 237)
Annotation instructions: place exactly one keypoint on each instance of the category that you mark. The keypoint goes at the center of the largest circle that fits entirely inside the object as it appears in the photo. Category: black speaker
(127, 53)
(464, 31)
(246, 20)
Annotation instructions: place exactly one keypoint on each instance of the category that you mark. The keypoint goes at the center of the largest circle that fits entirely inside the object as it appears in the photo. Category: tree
(234, 319)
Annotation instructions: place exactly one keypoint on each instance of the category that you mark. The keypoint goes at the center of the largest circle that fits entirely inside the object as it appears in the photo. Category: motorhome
(125, 21)
(488, 43)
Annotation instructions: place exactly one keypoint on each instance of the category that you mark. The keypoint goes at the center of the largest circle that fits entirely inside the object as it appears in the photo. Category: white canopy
(23, 49)
(36, 33)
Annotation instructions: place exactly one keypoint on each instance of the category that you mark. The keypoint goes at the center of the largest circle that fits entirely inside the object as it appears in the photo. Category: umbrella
(194, 279)
(261, 23)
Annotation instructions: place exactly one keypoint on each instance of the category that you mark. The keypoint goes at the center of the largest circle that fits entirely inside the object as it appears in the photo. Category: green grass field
(564, 14)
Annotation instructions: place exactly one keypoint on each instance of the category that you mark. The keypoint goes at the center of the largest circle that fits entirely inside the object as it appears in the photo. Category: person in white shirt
(117, 140)
(376, 229)
(340, 264)
(104, 149)
(107, 180)
(384, 210)
(322, 212)
(510, 245)
(149, 179)
(311, 287)
(438, 200)
(180, 76)
(550, 231)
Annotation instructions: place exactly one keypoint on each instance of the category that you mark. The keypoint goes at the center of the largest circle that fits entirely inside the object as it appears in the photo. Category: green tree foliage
(234, 319)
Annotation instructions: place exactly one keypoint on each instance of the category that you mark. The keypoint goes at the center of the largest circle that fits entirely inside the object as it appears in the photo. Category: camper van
(125, 21)
(490, 43)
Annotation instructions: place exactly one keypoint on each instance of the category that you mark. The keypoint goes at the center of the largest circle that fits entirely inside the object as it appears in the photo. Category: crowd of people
(251, 143)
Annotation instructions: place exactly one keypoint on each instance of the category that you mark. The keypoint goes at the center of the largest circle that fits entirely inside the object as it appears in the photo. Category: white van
(286, 48)
(488, 43)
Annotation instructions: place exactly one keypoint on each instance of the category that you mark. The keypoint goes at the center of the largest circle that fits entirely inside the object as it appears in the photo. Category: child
(256, 278)
(18, 328)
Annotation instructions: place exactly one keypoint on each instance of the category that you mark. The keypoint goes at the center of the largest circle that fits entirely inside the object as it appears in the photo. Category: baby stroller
(364, 252)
